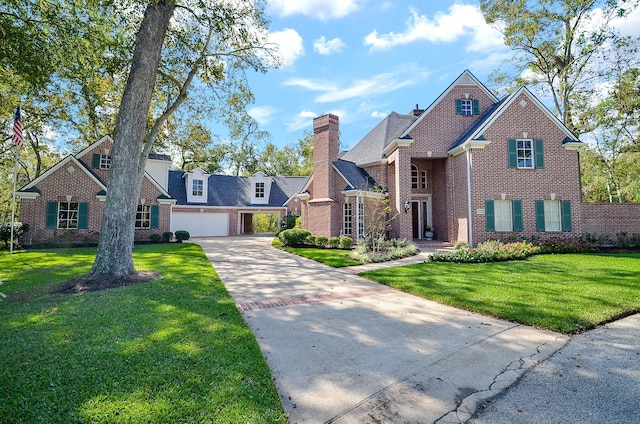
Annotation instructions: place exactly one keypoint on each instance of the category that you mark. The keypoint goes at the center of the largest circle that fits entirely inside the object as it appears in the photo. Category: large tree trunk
(114, 259)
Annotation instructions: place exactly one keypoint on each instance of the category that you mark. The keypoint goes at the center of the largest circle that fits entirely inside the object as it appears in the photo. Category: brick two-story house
(470, 166)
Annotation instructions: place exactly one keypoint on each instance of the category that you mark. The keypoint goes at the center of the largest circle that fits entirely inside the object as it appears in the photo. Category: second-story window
(259, 190)
(197, 188)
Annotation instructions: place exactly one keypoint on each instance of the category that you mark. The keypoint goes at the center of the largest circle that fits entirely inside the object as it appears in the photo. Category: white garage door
(201, 224)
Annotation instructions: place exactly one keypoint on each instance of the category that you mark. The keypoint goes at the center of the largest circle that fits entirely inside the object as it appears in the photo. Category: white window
(105, 161)
(259, 191)
(423, 181)
(197, 188)
(68, 215)
(467, 107)
(552, 216)
(524, 153)
(143, 216)
(414, 176)
(503, 215)
(361, 227)
(347, 221)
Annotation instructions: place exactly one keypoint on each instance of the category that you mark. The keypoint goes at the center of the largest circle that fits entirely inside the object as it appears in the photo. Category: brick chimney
(325, 153)
(323, 209)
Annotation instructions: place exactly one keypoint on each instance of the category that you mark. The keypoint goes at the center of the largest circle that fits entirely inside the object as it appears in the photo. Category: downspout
(470, 224)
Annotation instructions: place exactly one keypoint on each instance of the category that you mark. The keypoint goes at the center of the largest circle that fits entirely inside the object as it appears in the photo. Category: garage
(201, 224)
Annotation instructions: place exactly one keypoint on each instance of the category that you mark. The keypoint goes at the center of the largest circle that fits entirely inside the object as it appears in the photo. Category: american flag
(18, 138)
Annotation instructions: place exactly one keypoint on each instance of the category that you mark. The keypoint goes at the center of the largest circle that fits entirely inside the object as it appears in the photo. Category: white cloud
(378, 114)
(327, 47)
(319, 9)
(461, 20)
(377, 84)
(300, 121)
(629, 26)
(262, 114)
(289, 45)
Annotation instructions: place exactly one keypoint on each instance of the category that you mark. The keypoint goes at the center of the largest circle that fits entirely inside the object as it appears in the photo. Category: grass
(336, 258)
(172, 350)
(565, 293)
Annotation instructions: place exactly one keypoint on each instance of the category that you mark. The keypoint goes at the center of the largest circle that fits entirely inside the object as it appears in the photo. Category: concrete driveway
(343, 349)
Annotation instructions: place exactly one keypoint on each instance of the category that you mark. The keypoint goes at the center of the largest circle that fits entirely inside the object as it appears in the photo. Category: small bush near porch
(566, 293)
(171, 350)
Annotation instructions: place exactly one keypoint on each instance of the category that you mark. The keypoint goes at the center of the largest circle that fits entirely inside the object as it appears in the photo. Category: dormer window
(196, 185)
(197, 188)
(259, 190)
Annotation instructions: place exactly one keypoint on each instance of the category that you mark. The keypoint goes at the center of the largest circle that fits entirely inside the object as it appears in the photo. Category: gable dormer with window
(196, 185)
(260, 188)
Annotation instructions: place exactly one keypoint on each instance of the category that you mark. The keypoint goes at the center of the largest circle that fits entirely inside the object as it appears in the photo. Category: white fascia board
(397, 143)
(364, 193)
(468, 145)
(59, 165)
(155, 183)
(27, 195)
(343, 177)
(574, 145)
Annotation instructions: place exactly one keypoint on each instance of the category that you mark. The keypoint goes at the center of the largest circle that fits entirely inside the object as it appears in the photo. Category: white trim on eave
(94, 145)
(59, 165)
(468, 145)
(398, 142)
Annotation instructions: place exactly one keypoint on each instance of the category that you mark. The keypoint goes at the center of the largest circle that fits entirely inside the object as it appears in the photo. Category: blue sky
(362, 59)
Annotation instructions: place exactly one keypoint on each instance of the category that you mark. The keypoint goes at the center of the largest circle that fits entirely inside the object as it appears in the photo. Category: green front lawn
(336, 258)
(172, 350)
(566, 293)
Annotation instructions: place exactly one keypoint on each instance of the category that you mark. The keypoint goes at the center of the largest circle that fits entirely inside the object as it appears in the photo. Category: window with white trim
(552, 215)
(197, 187)
(466, 107)
(105, 161)
(347, 220)
(68, 214)
(259, 190)
(143, 216)
(414, 176)
(503, 215)
(524, 153)
(423, 180)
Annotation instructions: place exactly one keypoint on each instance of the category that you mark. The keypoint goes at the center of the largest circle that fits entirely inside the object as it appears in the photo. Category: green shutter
(566, 215)
(539, 152)
(155, 216)
(83, 216)
(513, 155)
(516, 206)
(52, 215)
(489, 216)
(539, 215)
(96, 161)
(458, 106)
(476, 106)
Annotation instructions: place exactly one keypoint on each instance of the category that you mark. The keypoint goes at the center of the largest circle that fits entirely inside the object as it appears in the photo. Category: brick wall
(608, 219)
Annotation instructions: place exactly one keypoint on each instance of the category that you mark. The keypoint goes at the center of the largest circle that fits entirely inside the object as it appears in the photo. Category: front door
(420, 217)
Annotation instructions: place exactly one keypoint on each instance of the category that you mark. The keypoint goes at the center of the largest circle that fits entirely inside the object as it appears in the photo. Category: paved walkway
(343, 349)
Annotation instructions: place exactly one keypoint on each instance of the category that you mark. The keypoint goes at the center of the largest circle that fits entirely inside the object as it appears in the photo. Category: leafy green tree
(212, 41)
(560, 46)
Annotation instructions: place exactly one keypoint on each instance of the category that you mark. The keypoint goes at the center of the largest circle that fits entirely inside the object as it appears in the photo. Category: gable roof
(232, 191)
(371, 148)
(356, 177)
(101, 184)
(466, 78)
(475, 132)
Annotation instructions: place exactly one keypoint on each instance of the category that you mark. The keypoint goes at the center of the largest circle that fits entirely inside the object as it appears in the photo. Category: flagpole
(13, 203)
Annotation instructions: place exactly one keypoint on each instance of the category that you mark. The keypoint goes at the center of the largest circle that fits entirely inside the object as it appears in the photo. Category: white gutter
(470, 224)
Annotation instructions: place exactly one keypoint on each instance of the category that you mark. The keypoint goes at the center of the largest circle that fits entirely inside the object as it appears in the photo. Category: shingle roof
(479, 122)
(232, 191)
(370, 149)
(357, 178)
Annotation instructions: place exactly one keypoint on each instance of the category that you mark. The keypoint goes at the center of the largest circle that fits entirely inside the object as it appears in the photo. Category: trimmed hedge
(293, 237)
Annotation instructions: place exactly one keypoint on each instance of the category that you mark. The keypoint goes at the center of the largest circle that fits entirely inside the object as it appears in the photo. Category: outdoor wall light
(407, 205)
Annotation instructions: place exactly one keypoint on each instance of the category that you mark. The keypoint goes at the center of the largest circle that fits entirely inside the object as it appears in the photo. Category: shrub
(156, 238)
(298, 222)
(334, 242)
(19, 228)
(388, 250)
(321, 241)
(293, 237)
(310, 240)
(346, 242)
(288, 222)
(167, 236)
(181, 235)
